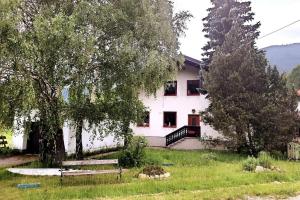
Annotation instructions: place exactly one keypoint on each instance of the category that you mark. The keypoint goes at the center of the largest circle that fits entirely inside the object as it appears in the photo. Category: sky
(273, 14)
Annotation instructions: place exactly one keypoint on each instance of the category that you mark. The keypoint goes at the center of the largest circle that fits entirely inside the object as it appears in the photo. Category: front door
(194, 126)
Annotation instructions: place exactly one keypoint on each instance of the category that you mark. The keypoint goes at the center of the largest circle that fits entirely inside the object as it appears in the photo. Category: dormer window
(192, 87)
(171, 88)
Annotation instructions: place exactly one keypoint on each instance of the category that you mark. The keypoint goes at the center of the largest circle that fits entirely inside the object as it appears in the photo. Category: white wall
(19, 138)
(182, 104)
(89, 142)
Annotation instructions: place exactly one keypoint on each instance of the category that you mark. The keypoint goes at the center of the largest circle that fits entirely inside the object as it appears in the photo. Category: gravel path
(17, 160)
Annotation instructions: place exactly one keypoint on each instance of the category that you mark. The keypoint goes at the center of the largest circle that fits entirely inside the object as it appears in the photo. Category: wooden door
(194, 125)
(194, 120)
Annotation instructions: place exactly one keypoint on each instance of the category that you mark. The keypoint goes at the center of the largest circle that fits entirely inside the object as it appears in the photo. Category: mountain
(285, 57)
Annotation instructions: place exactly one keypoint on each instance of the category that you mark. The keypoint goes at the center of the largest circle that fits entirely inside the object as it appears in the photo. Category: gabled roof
(192, 61)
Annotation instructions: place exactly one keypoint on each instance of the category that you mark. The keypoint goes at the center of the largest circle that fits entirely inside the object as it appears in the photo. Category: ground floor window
(170, 119)
(145, 122)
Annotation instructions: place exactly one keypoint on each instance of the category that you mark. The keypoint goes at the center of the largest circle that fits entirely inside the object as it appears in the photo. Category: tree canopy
(103, 52)
(220, 20)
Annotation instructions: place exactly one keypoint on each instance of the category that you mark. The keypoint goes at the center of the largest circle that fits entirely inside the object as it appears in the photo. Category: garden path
(17, 160)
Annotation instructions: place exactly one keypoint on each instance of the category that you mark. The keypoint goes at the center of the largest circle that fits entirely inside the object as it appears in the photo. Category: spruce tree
(250, 102)
(219, 21)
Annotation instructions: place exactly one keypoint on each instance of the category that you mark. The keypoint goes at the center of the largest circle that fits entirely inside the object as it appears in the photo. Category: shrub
(134, 154)
(151, 159)
(153, 170)
(250, 164)
(209, 156)
(278, 155)
(264, 159)
(6, 151)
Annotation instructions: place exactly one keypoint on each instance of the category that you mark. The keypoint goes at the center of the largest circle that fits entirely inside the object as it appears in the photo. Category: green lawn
(193, 176)
(8, 134)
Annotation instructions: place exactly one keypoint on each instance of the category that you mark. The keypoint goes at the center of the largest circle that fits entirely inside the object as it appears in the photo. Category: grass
(8, 134)
(194, 175)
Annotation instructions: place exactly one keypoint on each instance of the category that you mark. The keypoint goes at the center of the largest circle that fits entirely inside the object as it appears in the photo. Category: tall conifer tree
(220, 20)
(250, 103)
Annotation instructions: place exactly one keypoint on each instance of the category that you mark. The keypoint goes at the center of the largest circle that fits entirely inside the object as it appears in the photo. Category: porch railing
(180, 134)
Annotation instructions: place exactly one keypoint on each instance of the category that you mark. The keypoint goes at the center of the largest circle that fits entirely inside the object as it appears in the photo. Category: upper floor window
(193, 87)
(171, 88)
(145, 120)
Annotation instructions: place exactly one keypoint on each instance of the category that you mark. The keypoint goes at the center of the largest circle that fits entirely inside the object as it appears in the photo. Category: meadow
(194, 175)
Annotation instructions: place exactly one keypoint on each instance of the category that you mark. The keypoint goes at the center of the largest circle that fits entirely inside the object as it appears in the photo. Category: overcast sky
(272, 14)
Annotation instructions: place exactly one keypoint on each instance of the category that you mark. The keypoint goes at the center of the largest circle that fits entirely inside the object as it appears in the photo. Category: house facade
(174, 107)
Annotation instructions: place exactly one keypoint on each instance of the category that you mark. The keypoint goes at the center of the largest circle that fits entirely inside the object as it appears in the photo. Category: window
(192, 87)
(170, 119)
(145, 120)
(171, 88)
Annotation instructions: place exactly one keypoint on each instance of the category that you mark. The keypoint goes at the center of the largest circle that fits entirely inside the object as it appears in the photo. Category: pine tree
(278, 120)
(235, 83)
(220, 20)
(250, 102)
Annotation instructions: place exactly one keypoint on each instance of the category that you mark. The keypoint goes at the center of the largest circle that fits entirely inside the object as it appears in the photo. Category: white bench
(66, 172)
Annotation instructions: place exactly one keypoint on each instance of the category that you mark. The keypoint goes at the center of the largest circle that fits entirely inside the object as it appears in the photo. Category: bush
(264, 159)
(134, 154)
(153, 170)
(151, 159)
(250, 164)
(278, 155)
(209, 156)
(6, 151)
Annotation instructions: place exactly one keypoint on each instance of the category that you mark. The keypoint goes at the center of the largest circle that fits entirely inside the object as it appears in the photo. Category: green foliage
(278, 155)
(153, 170)
(5, 151)
(209, 156)
(250, 164)
(134, 155)
(250, 102)
(264, 159)
(151, 159)
(221, 18)
(189, 180)
(294, 78)
(103, 52)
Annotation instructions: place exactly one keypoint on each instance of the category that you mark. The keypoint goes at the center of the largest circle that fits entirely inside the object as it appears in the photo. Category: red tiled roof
(298, 93)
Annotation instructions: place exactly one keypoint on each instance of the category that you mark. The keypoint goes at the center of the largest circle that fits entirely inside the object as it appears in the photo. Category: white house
(176, 107)
(172, 115)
